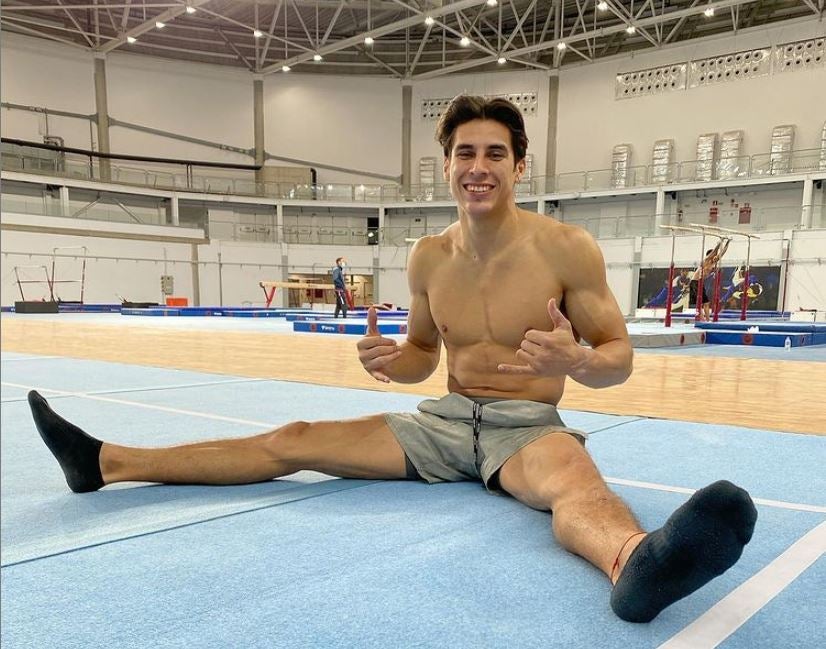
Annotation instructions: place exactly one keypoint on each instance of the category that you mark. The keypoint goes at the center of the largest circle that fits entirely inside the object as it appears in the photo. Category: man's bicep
(595, 315)
(588, 301)
(421, 328)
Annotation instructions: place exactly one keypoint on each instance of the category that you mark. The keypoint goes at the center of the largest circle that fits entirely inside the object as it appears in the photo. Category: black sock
(77, 452)
(700, 541)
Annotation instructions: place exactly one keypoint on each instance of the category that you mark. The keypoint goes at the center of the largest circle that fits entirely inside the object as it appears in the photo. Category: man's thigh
(349, 448)
(548, 469)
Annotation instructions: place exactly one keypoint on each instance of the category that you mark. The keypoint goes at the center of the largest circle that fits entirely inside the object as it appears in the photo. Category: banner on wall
(763, 288)
(744, 215)
(713, 212)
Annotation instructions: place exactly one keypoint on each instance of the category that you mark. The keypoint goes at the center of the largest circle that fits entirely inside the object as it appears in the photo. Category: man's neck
(484, 235)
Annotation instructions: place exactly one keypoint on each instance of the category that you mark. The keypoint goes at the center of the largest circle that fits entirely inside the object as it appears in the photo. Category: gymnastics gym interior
(178, 181)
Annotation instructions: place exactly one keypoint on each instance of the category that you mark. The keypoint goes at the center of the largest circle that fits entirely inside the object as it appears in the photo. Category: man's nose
(480, 165)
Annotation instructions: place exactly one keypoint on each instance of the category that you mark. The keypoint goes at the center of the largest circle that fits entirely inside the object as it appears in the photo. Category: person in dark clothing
(340, 283)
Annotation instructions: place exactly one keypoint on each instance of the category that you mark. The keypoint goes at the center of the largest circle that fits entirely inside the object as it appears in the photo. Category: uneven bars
(712, 227)
(670, 288)
(744, 301)
(696, 229)
(678, 227)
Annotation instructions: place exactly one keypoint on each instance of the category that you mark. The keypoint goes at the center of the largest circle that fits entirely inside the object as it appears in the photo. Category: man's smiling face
(481, 168)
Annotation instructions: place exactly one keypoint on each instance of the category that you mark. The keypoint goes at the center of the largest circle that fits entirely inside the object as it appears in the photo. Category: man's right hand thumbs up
(376, 352)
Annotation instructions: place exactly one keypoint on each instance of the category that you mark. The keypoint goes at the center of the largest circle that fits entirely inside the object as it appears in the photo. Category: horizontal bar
(711, 227)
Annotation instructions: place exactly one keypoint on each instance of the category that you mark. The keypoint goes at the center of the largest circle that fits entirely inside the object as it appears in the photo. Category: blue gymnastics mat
(314, 561)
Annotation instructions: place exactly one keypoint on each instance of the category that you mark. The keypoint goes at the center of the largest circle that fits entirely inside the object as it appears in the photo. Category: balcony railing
(26, 159)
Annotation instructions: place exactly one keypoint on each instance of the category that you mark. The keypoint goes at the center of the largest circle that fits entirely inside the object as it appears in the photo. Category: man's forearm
(414, 365)
(609, 364)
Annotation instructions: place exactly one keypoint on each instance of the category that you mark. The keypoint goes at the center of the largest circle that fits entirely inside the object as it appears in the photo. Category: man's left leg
(700, 541)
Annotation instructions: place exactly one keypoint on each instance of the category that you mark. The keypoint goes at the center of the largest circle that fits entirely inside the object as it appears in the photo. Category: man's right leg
(355, 448)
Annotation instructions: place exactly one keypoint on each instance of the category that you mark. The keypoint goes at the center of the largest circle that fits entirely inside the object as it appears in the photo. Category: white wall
(199, 101)
(423, 143)
(591, 121)
(350, 122)
(133, 268)
(37, 73)
(618, 254)
(806, 278)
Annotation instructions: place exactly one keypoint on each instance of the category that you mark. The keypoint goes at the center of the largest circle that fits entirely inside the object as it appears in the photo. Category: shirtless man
(702, 273)
(508, 292)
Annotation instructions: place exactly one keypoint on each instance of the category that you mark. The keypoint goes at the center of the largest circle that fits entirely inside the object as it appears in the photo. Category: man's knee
(289, 442)
(553, 468)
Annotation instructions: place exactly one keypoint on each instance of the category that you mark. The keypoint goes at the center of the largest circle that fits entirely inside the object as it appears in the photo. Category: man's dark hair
(338, 259)
(466, 108)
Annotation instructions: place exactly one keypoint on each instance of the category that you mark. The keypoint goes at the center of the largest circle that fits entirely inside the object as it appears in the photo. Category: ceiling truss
(412, 39)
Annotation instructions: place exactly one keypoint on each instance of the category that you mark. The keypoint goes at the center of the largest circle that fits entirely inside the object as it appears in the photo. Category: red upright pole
(702, 280)
(745, 300)
(670, 292)
(716, 304)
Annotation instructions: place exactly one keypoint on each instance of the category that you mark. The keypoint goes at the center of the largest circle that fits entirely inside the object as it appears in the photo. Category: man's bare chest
(495, 303)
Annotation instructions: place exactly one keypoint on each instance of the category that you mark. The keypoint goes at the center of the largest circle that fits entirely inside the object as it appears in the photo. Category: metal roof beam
(376, 32)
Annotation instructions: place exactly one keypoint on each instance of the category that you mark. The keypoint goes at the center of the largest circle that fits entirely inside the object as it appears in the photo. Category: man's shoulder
(434, 243)
(561, 233)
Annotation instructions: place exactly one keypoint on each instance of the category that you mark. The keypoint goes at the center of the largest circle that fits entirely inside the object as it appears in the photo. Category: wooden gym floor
(758, 393)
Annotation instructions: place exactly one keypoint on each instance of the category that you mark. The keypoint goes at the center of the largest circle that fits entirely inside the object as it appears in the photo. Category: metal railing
(262, 227)
(29, 160)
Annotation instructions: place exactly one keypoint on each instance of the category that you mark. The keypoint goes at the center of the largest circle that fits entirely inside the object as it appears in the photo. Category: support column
(279, 222)
(64, 201)
(258, 123)
(550, 149)
(808, 198)
(196, 276)
(659, 211)
(173, 210)
(377, 269)
(102, 107)
(635, 276)
(818, 204)
(407, 125)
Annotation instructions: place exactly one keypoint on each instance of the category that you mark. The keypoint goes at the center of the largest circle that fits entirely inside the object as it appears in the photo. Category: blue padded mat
(390, 565)
(42, 517)
(780, 622)
(692, 455)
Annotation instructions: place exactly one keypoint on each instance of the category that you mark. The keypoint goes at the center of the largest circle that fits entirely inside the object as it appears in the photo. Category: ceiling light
(631, 29)
(709, 12)
(561, 45)
(317, 57)
(160, 25)
(465, 41)
(285, 68)
(257, 33)
(131, 39)
(369, 40)
(190, 9)
(492, 3)
(602, 5)
(429, 21)
(501, 60)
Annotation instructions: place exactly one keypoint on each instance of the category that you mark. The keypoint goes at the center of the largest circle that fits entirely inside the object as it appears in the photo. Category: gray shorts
(458, 438)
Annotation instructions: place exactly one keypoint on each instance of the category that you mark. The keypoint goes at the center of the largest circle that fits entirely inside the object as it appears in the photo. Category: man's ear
(520, 168)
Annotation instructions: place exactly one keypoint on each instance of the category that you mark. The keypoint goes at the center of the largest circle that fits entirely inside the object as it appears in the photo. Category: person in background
(340, 283)
(708, 266)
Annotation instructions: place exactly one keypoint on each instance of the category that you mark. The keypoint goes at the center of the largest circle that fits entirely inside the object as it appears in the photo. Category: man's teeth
(479, 188)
